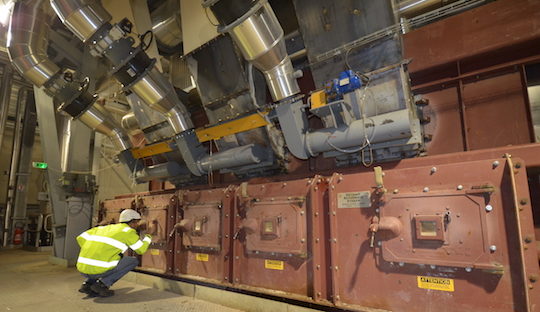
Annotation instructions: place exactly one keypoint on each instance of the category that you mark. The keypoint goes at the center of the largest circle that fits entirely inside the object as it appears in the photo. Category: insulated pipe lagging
(257, 32)
(377, 129)
(28, 41)
(82, 17)
(90, 22)
(27, 48)
(96, 118)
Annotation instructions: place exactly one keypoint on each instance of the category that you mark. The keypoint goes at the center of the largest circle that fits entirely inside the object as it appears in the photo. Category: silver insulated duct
(28, 32)
(28, 41)
(257, 32)
(90, 22)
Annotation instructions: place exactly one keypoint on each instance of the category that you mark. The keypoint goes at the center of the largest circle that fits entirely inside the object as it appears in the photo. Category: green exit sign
(39, 165)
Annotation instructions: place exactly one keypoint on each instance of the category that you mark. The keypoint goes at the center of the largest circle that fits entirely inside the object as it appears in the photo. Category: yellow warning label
(273, 264)
(201, 257)
(154, 252)
(436, 283)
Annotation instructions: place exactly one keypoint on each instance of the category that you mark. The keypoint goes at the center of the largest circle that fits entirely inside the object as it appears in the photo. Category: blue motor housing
(347, 82)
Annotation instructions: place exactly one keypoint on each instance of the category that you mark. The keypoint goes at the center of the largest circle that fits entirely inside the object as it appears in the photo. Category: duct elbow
(28, 41)
(96, 118)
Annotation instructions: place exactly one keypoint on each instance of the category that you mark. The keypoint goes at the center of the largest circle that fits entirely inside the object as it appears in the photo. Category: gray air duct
(132, 67)
(28, 32)
(136, 71)
(257, 32)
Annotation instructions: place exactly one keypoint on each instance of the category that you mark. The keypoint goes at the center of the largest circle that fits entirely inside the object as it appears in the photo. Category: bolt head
(433, 267)
(492, 248)
(433, 170)
(401, 264)
(460, 187)
(468, 269)
(495, 164)
(489, 208)
(426, 189)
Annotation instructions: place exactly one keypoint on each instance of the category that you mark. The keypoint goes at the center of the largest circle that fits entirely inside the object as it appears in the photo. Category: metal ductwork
(89, 21)
(96, 117)
(29, 28)
(257, 32)
(137, 72)
(28, 41)
(166, 24)
(82, 17)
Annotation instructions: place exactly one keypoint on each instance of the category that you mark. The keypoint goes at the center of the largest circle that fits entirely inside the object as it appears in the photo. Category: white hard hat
(129, 214)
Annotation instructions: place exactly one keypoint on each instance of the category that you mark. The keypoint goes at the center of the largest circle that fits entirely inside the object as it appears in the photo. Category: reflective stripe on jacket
(101, 247)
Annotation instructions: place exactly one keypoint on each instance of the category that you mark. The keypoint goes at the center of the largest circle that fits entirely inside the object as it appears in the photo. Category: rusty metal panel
(158, 213)
(272, 247)
(464, 258)
(498, 24)
(444, 126)
(496, 112)
(110, 209)
(202, 235)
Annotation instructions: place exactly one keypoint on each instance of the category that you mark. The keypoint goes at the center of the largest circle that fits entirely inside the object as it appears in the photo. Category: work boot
(101, 289)
(86, 289)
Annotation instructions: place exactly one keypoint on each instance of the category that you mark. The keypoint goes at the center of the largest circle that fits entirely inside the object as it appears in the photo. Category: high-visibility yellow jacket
(101, 247)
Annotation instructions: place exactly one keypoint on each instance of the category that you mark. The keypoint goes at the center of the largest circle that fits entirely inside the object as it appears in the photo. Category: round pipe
(28, 41)
(96, 118)
(259, 36)
(82, 17)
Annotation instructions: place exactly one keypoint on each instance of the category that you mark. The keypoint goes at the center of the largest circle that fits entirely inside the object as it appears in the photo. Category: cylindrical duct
(380, 128)
(158, 94)
(96, 118)
(259, 36)
(234, 157)
(28, 41)
(166, 24)
(130, 123)
(82, 17)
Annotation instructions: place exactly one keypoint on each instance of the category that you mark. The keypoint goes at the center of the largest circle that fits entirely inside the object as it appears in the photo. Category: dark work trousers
(110, 277)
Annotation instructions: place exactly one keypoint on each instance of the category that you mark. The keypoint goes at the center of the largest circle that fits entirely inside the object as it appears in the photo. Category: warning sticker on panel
(201, 257)
(354, 200)
(435, 283)
(273, 264)
(154, 252)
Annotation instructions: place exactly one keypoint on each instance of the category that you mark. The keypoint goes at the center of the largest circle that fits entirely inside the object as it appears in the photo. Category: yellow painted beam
(151, 150)
(236, 126)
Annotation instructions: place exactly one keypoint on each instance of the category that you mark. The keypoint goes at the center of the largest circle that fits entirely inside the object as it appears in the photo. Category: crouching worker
(101, 259)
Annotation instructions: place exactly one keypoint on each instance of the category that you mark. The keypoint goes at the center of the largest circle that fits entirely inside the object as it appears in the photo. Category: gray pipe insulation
(303, 144)
(29, 27)
(90, 22)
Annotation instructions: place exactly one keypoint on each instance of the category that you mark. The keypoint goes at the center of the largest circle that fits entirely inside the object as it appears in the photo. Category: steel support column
(71, 214)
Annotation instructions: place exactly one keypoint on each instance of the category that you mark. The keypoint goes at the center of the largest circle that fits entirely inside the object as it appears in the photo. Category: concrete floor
(28, 282)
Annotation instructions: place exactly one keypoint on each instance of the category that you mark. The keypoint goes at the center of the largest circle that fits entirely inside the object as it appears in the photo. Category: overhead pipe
(166, 24)
(27, 48)
(132, 67)
(256, 30)
(90, 22)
